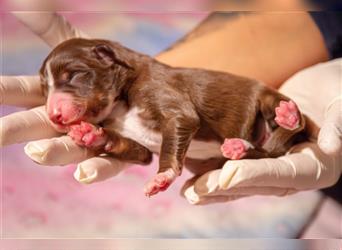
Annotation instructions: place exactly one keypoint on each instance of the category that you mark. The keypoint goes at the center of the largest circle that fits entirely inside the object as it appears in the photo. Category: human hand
(34, 124)
(318, 92)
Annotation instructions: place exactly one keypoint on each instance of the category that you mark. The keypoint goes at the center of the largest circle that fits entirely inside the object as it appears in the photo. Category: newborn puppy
(113, 100)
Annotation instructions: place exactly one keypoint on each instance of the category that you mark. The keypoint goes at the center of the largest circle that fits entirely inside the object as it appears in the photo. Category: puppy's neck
(135, 71)
(128, 71)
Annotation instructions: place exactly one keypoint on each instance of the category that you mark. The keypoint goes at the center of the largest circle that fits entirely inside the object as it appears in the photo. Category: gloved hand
(34, 124)
(318, 93)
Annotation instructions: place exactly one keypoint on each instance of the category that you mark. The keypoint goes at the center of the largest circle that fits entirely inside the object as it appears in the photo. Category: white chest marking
(129, 124)
(50, 80)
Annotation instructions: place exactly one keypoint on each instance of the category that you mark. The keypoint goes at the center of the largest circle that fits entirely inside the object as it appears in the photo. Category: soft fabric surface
(46, 202)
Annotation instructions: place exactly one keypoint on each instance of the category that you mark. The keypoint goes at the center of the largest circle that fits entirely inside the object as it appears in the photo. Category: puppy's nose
(56, 117)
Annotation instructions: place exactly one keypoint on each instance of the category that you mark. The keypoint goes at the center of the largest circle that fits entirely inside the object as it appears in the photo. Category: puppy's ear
(107, 56)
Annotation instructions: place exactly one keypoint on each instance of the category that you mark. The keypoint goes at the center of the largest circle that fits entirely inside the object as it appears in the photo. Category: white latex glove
(49, 26)
(317, 91)
(34, 124)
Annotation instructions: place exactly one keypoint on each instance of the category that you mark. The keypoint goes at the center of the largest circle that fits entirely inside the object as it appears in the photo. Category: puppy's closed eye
(75, 78)
(69, 75)
(82, 81)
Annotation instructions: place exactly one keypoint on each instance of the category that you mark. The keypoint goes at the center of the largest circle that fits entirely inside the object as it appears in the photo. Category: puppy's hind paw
(287, 115)
(235, 148)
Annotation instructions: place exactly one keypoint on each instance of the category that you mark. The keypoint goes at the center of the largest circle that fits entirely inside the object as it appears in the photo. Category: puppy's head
(83, 78)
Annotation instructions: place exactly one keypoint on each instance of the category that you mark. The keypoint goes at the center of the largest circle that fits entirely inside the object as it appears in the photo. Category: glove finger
(49, 151)
(208, 185)
(204, 184)
(37, 21)
(309, 169)
(98, 169)
(193, 198)
(23, 91)
(187, 184)
(25, 126)
(55, 30)
(330, 135)
(250, 191)
(215, 199)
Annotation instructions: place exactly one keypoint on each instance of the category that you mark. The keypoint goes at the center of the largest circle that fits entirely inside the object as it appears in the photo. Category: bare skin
(269, 47)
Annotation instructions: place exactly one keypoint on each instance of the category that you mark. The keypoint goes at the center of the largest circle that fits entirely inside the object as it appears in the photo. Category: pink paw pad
(86, 134)
(235, 148)
(287, 115)
(159, 183)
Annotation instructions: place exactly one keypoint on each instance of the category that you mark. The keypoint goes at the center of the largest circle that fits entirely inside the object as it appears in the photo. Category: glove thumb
(330, 135)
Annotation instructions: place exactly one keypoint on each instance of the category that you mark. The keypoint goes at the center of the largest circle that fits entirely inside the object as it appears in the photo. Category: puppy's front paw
(86, 134)
(235, 148)
(160, 182)
(287, 115)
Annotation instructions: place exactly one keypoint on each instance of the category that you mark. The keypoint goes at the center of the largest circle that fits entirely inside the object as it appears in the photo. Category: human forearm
(267, 46)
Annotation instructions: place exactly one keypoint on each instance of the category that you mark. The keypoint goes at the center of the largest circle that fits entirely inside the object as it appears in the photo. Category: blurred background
(46, 202)
(166, 5)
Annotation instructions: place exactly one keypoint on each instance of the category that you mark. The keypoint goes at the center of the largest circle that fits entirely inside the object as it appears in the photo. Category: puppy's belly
(204, 150)
(129, 124)
(152, 141)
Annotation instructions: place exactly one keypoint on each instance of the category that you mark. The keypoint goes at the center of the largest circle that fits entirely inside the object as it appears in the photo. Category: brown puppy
(126, 104)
